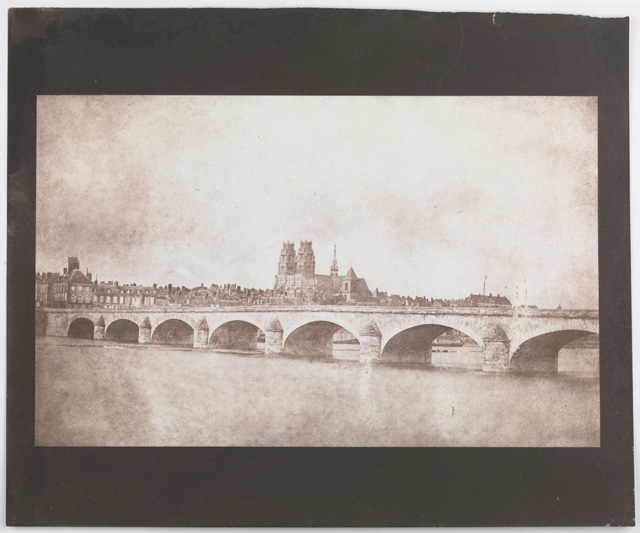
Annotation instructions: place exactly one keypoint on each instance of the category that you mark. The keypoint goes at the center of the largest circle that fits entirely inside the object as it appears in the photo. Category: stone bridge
(511, 339)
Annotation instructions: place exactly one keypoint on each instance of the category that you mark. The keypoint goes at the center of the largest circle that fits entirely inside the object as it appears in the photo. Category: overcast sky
(422, 195)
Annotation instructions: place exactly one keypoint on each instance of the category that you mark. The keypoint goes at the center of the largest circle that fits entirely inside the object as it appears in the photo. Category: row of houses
(74, 288)
(473, 300)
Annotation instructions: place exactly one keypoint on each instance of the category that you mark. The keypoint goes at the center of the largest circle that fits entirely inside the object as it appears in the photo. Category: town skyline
(297, 283)
(422, 196)
(53, 276)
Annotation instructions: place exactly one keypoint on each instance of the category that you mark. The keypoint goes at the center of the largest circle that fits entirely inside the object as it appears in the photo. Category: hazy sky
(422, 195)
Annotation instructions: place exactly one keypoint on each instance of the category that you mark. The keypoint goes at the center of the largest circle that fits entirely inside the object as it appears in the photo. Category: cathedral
(297, 277)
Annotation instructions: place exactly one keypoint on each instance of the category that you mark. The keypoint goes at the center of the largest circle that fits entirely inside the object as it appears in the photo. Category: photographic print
(317, 271)
(318, 267)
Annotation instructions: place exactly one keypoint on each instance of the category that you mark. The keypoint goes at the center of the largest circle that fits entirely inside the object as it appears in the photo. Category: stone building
(480, 300)
(42, 290)
(296, 272)
(200, 296)
(352, 287)
(114, 294)
(72, 288)
(297, 278)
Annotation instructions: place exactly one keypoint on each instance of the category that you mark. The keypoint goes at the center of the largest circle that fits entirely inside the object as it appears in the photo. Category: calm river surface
(99, 393)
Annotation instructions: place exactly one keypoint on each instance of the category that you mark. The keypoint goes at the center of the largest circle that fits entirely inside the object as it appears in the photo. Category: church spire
(334, 264)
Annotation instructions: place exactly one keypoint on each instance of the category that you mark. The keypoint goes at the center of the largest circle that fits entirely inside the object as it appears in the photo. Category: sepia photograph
(318, 267)
(317, 271)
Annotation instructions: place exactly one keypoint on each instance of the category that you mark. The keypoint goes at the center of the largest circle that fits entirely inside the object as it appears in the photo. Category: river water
(101, 393)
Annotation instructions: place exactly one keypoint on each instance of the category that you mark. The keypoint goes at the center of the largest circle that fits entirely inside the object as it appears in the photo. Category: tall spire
(334, 264)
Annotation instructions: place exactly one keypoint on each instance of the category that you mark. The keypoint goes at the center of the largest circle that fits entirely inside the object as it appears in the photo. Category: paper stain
(520, 312)
(365, 377)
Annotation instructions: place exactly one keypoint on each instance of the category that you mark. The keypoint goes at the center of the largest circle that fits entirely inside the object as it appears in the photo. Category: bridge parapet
(497, 311)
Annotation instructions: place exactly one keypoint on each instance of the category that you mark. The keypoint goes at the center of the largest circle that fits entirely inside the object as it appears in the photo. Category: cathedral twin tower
(304, 264)
(297, 275)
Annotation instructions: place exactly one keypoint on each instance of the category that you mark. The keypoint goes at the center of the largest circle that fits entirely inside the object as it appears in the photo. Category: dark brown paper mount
(299, 52)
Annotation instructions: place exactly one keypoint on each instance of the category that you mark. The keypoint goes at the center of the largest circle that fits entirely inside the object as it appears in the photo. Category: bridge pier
(201, 334)
(273, 335)
(41, 323)
(495, 350)
(370, 342)
(52, 324)
(98, 329)
(144, 331)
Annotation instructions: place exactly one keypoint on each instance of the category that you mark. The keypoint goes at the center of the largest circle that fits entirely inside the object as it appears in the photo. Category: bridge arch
(539, 353)
(528, 334)
(442, 323)
(173, 331)
(158, 317)
(314, 338)
(235, 335)
(215, 323)
(352, 326)
(122, 330)
(81, 328)
(414, 343)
